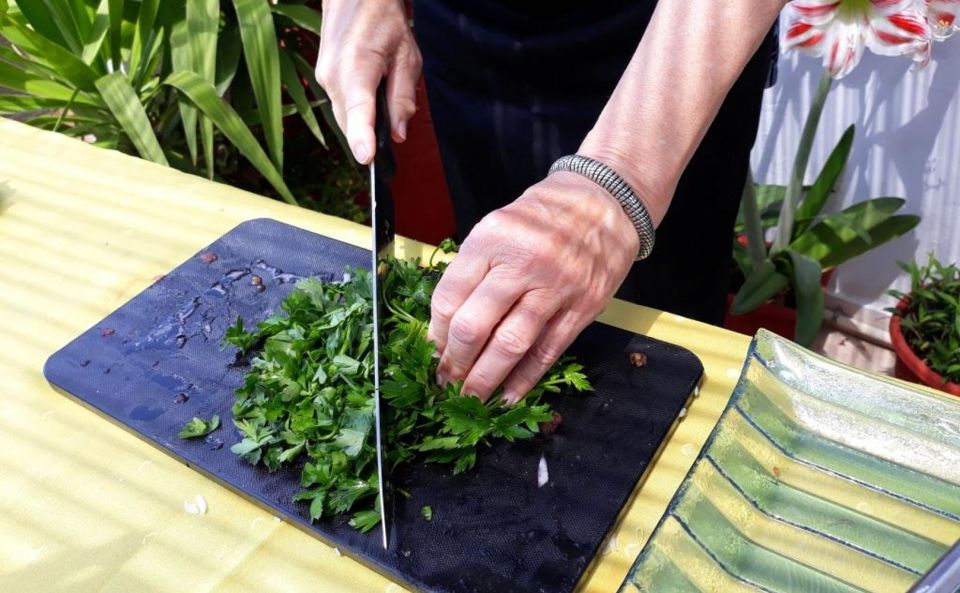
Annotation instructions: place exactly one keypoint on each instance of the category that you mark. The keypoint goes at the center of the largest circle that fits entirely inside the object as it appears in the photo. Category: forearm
(691, 54)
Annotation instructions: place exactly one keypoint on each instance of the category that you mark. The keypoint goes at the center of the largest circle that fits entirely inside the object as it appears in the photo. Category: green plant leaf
(741, 258)
(302, 16)
(756, 248)
(806, 275)
(56, 57)
(229, 48)
(763, 283)
(204, 96)
(115, 34)
(838, 237)
(823, 187)
(17, 79)
(71, 19)
(326, 108)
(98, 32)
(129, 111)
(260, 52)
(181, 55)
(792, 195)
(144, 39)
(291, 80)
(199, 427)
(203, 18)
(11, 104)
(41, 20)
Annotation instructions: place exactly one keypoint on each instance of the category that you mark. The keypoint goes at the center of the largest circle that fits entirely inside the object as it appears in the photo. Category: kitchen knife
(382, 169)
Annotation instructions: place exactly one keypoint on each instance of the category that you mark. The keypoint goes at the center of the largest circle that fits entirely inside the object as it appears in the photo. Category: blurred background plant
(783, 242)
(930, 315)
(218, 88)
(805, 243)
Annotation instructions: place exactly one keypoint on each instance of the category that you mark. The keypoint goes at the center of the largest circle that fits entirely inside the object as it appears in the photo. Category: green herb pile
(308, 397)
(931, 321)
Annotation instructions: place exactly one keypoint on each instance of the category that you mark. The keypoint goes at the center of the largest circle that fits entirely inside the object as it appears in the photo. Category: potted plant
(807, 244)
(783, 279)
(925, 326)
(213, 87)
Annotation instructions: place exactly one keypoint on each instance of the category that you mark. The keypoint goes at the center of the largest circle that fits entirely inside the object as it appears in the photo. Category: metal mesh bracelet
(609, 180)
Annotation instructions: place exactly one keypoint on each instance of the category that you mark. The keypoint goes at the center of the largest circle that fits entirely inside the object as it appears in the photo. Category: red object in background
(911, 367)
(773, 316)
(420, 195)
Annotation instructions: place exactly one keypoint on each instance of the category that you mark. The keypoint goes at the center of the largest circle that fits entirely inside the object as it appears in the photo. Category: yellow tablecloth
(86, 506)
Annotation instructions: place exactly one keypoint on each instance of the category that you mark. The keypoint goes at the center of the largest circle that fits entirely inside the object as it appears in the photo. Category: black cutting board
(156, 362)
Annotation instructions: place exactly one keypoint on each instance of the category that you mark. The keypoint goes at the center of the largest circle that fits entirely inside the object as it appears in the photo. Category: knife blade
(382, 169)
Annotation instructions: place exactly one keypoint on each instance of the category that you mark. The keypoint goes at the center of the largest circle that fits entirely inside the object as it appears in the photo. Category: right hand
(362, 41)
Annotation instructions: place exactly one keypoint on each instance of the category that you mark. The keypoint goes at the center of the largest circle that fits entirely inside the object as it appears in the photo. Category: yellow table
(85, 506)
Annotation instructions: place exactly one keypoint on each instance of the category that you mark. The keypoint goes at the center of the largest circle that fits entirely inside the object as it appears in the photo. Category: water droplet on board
(145, 413)
(181, 398)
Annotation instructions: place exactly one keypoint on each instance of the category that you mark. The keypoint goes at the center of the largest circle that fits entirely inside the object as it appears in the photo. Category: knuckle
(510, 343)
(480, 381)
(324, 72)
(543, 354)
(441, 307)
(463, 330)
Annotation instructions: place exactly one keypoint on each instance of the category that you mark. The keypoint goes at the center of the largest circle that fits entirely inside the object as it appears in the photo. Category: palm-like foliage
(165, 79)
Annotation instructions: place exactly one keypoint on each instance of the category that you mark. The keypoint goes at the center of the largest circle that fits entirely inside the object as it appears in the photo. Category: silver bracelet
(615, 185)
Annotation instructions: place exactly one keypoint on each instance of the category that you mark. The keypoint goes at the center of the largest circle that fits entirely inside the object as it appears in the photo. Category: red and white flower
(839, 30)
(943, 18)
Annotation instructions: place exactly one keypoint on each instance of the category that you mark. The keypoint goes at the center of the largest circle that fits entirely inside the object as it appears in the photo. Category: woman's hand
(361, 42)
(527, 280)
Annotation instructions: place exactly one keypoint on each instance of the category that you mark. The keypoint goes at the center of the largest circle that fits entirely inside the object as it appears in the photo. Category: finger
(471, 326)
(509, 343)
(402, 92)
(462, 276)
(554, 340)
(358, 105)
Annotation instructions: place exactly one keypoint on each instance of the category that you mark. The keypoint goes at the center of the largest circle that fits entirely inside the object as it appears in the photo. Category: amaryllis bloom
(943, 17)
(838, 30)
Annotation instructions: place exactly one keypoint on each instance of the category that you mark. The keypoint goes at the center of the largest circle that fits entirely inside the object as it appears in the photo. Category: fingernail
(510, 397)
(436, 354)
(472, 393)
(361, 151)
(442, 379)
(402, 130)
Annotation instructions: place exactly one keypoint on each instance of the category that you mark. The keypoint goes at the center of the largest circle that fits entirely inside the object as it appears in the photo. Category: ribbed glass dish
(818, 477)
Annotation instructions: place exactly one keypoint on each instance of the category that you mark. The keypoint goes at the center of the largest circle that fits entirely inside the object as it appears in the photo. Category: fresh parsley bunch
(309, 399)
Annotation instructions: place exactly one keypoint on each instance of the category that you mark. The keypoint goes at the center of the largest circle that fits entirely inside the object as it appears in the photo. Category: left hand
(527, 280)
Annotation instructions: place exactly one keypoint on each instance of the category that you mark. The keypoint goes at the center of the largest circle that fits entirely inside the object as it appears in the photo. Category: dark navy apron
(514, 85)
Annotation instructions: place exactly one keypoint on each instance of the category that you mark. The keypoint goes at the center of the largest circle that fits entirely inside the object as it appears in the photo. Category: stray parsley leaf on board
(198, 427)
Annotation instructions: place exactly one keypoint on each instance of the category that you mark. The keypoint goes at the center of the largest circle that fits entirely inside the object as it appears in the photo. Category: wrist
(652, 180)
(567, 196)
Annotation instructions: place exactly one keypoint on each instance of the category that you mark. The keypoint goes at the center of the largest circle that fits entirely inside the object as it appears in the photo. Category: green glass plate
(818, 477)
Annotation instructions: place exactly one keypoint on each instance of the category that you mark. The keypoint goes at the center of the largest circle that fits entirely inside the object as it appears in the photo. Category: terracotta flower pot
(911, 367)
(774, 316)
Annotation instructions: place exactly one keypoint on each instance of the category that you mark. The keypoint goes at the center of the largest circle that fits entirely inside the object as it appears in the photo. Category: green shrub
(205, 86)
(930, 323)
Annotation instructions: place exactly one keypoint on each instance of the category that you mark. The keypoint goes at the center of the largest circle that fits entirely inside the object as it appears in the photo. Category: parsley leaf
(198, 427)
(308, 398)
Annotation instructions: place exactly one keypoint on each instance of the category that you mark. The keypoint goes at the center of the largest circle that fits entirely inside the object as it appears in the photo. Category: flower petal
(844, 48)
(943, 17)
(902, 33)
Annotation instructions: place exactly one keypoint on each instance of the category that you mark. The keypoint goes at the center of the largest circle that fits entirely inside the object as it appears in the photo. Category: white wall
(907, 145)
